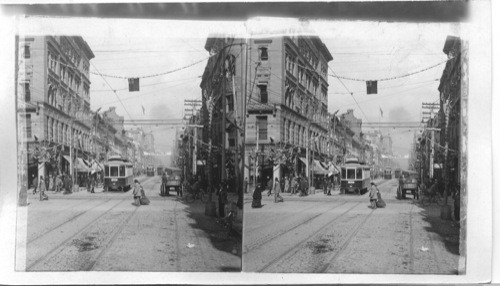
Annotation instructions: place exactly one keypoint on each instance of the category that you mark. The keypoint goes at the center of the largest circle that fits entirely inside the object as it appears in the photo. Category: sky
(361, 50)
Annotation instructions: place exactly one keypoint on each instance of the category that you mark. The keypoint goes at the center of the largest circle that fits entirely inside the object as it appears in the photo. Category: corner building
(53, 99)
(287, 111)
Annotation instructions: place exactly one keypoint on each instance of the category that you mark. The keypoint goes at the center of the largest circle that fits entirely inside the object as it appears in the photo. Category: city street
(341, 234)
(105, 232)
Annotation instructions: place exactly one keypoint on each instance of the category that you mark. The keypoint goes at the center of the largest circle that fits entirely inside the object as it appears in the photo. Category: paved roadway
(105, 232)
(341, 234)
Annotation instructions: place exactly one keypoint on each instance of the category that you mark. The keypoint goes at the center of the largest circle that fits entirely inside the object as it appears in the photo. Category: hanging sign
(371, 87)
(133, 84)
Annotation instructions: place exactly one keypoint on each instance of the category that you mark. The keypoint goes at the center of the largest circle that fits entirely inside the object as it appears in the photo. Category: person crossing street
(373, 195)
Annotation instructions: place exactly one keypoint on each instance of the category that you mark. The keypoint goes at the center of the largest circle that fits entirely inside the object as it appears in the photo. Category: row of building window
(60, 133)
(67, 74)
(296, 134)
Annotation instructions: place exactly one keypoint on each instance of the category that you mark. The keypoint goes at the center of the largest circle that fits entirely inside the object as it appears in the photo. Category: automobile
(174, 180)
(408, 184)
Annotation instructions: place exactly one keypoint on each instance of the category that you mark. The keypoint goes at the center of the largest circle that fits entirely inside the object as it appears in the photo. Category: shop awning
(80, 165)
(67, 158)
(318, 169)
(303, 160)
(333, 170)
(96, 167)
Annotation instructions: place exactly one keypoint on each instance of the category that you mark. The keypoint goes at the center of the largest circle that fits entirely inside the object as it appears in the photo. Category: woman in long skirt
(277, 190)
(42, 188)
(257, 196)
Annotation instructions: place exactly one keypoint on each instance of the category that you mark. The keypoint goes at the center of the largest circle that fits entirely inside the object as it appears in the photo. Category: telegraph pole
(308, 159)
(256, 152)
(244, 121)
(223, 127)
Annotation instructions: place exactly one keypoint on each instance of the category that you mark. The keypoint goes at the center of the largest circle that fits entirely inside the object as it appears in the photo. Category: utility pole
(23, 179)
(256, 152)
(244, 126)
(71, 160)
(426, 116)
(308, 159)
(223, 127)
(446, 153)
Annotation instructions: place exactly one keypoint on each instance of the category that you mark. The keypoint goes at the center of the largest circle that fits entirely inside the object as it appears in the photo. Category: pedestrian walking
(35, 184)
(51, 183)
(92, 184)
(304, 186)
(269, 186)
(143, 199)
(257, 196)
(68, 183)
(88, 184)
(57, 183)
(277, 189)
(380, 201)
(287, 185)
(137, 193)
(42, 188)
(329, 187)
(245, 185)
(295, 183)
(164, 191)
(222, 198)
(373, 195)
(325, 187)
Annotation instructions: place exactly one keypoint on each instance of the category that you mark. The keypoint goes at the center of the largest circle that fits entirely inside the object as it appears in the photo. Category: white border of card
(477, 30)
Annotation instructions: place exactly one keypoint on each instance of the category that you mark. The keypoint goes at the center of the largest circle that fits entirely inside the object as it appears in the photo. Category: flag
(371, 87)
(133, 84)
(381, 112)
(143, 110)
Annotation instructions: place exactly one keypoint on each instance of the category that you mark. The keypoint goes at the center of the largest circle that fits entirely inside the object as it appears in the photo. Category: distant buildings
(441, 158)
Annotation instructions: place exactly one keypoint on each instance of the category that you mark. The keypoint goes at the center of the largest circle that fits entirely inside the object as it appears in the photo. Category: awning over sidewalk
(96, 167)
(333, 170)
(303, 160)
(318, 169)
(80, 165)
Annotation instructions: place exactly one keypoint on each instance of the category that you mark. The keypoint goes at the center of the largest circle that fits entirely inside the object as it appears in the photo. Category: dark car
(174, 181)
(408, 183)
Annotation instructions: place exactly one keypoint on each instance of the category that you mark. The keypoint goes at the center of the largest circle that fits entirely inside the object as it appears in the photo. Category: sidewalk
(238, 220)
(81, 193)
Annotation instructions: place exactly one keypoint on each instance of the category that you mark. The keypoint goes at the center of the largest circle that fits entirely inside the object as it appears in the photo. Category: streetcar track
(60, 247)
(115, 232)
(295, 247)
(268, 238)
(177, 248)
(411, 266)
(67, 221)
(344, 245)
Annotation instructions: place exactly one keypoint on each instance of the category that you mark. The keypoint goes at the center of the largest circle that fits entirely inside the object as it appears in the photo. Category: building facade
(54, 102)
(287, 106)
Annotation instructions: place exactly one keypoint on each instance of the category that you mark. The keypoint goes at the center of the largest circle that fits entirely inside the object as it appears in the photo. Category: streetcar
(150, 171)
(388, 173)
(118, 174)
(354, 177)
